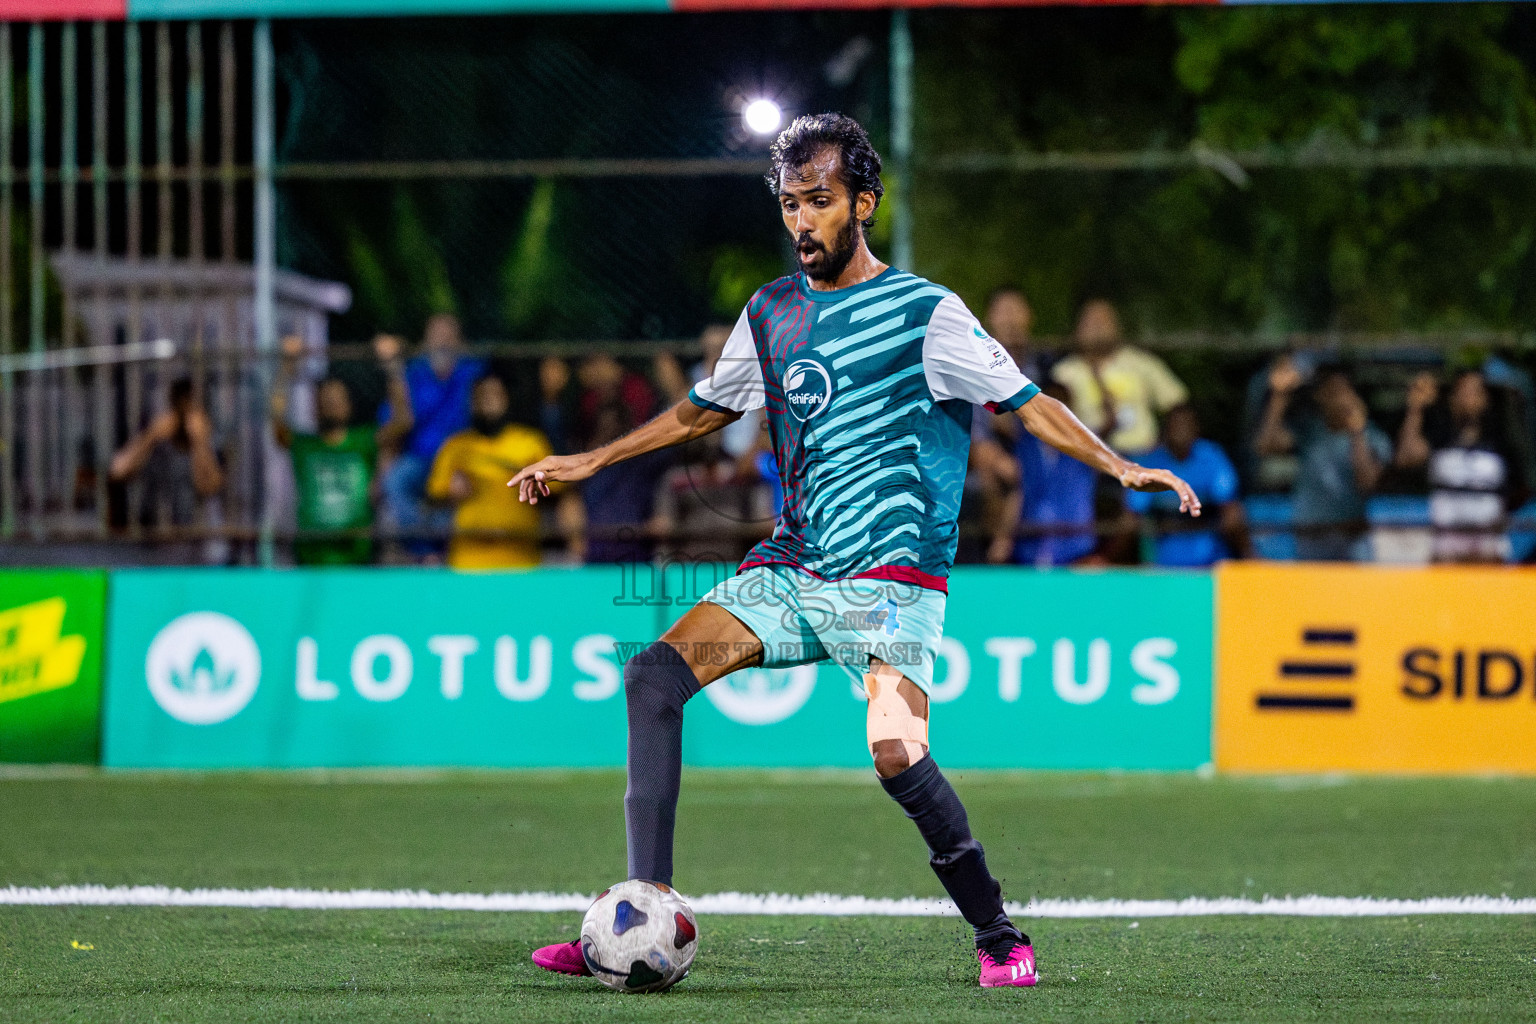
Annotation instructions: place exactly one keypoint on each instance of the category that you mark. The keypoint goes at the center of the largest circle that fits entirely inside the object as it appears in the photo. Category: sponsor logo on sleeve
(995, 354)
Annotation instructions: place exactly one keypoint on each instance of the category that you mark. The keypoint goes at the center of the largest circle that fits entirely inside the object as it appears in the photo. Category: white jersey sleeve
(737, 382)
(961, 362)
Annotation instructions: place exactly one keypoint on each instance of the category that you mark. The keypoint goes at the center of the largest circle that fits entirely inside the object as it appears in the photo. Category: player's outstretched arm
(683, 422)
(1054, 424)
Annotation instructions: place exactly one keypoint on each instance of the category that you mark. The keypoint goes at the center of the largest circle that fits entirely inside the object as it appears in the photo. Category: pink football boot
(1017, 969)
(563, 958)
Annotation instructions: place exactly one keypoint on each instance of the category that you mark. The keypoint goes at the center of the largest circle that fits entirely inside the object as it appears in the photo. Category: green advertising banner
(1056, 669)
(419, 667)
(50, 665)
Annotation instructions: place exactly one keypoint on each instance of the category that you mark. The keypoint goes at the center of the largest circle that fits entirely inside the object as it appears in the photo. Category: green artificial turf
(1150, 836)
(290, 965)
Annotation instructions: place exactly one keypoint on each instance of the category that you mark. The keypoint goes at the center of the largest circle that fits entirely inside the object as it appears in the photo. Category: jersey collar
(815, 295)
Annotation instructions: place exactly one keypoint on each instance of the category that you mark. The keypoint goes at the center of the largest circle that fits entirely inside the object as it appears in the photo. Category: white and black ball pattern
(639, 936)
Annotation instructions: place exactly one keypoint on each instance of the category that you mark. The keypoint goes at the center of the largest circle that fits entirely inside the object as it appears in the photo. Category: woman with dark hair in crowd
(1472, 447)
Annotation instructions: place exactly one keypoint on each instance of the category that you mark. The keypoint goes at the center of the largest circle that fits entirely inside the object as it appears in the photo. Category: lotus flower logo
(203, 675)
(763, 696)
(202, 668)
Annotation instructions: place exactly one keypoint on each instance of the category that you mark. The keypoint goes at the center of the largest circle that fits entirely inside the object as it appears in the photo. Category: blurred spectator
(179, 460)
(1010, 320)
(714, 496)
(1476, 461)
(1202, 463)
(1116, 389)
(717, 512)
(766, 467)
(1056, 495)
(439, 382)
(671, 381)
(334, 469)
(992, 471)
(991, 481)
(1341, 457)
(1276, 471)
(554, 378)
(604, 384)
(738, 439)
(620, 500)
(1515, 381)
(471, 472)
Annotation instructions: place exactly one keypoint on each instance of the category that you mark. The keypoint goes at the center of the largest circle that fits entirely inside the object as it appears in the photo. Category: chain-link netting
(596, 243)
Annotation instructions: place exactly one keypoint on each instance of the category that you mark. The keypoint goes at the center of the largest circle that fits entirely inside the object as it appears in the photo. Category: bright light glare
(762, 117)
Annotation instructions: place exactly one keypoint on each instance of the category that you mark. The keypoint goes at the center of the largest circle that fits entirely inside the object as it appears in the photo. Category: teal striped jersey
(869, 392)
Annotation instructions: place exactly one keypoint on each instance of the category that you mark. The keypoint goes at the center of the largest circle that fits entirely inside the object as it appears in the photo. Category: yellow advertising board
(35, 656)
(1359, 668)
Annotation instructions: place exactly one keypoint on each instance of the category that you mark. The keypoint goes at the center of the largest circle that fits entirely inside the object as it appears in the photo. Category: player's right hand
(532, 482)
(1140, 478)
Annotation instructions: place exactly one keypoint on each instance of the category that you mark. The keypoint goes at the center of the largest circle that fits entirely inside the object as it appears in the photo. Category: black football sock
(957, 858)
(657, 682)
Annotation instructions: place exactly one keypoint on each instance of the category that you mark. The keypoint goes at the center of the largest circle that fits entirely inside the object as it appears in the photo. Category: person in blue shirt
(1054, 495)
(1203, 463)
(1341, 455)
(439, 381)
(1056, 498)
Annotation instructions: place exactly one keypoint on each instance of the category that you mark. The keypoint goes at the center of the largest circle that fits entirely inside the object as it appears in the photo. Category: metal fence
(128, 208)
(148, 194)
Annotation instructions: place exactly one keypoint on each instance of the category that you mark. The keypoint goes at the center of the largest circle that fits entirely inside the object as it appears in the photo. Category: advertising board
(1347, 668)
(50, 665)
(416, 667)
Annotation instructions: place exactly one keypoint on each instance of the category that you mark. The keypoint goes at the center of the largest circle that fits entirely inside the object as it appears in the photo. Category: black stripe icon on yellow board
(1331, 664)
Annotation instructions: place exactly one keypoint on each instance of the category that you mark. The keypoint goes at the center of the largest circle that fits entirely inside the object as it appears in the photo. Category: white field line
(819, 904)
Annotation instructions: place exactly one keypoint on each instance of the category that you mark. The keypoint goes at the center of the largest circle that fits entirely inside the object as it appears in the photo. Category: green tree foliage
(1275, 249)
(396, 266)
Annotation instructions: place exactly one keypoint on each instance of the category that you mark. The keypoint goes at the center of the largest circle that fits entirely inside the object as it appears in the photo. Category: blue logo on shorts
(892, 624)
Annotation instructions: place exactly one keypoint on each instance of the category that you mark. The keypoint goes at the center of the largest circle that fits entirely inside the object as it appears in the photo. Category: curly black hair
(808, 134)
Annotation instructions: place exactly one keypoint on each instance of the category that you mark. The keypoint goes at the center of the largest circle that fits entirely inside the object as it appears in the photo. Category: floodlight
(762, 116)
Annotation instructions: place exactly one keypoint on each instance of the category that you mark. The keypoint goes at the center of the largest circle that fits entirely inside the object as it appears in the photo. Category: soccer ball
(639, 936)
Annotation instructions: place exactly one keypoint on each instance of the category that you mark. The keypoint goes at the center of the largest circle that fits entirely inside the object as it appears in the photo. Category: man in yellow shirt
(471, 471)
(1118, 390)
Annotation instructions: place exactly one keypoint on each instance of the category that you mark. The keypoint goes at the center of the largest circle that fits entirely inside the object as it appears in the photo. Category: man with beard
(334, 469)
(868, 375)
(491, 528)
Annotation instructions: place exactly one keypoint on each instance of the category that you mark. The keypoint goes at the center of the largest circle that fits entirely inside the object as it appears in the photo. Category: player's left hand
(1140, 478)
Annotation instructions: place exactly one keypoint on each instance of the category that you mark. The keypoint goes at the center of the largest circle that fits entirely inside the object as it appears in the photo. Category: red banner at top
(63, 10)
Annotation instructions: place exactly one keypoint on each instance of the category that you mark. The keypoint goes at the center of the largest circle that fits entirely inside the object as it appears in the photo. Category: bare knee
(890, 758)
(897, 722)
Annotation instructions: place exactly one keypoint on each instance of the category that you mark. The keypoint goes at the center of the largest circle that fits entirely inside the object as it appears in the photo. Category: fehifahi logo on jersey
(807, 388)
(202, 668)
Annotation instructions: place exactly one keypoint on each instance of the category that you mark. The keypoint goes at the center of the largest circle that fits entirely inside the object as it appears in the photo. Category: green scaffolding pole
(264, 312)
(901, 139)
